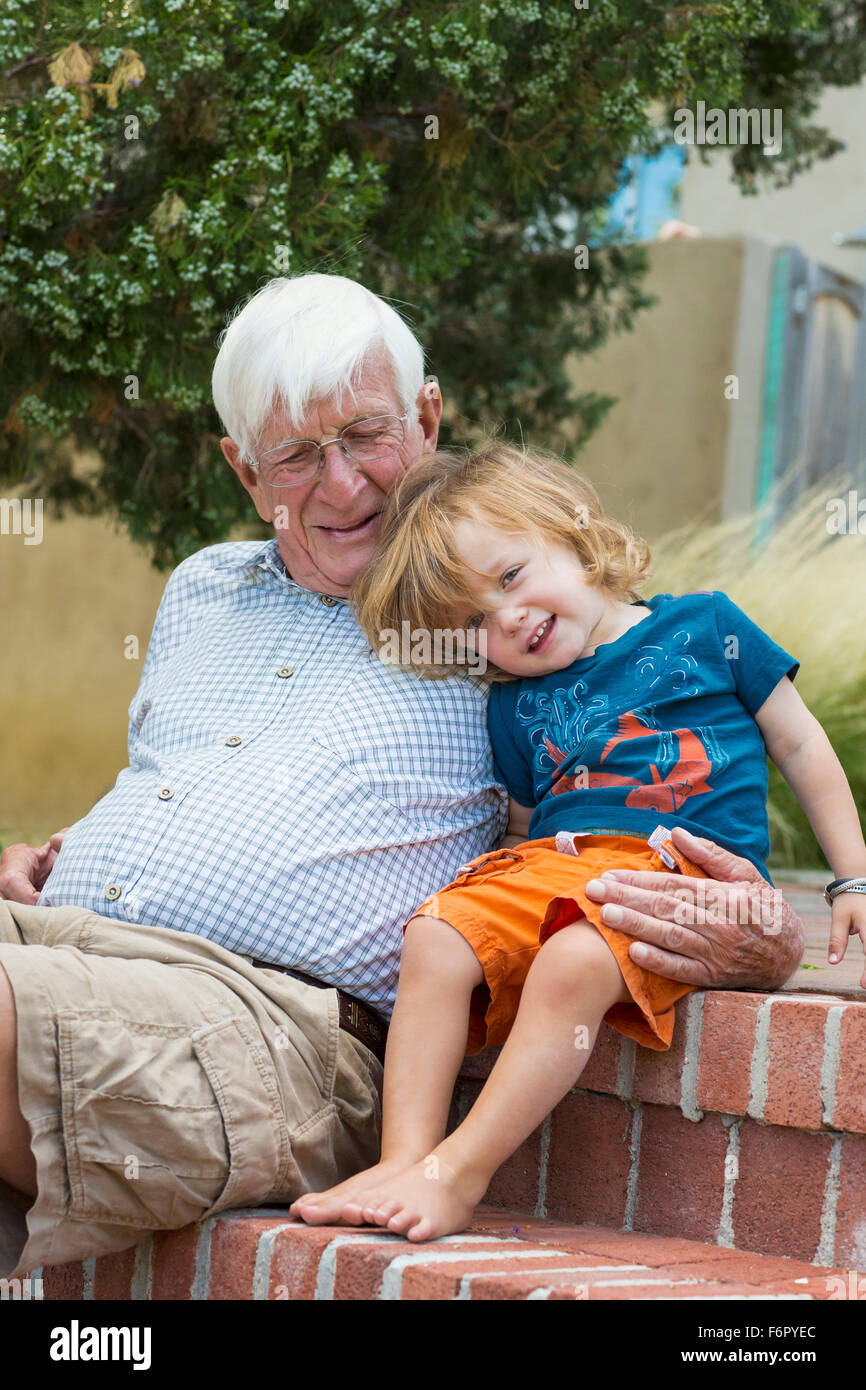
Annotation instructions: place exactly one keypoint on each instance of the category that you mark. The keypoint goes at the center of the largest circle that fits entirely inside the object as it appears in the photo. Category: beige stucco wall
(68, 607)
(658, 459)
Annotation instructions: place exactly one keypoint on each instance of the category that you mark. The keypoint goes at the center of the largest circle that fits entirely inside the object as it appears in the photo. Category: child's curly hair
(417, 575)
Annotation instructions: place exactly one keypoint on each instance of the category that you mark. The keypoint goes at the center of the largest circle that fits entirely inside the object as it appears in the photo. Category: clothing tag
(657, 840)
(565, 840)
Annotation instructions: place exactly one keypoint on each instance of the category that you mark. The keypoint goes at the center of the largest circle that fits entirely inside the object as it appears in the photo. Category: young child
(624, 718)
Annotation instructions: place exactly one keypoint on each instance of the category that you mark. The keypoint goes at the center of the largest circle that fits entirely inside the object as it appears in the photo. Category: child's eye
(509, 574)
(475, 621)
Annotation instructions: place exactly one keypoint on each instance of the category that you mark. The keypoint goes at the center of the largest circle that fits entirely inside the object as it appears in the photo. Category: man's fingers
(666, 896)
(646, 879)
(716, 862)
(680, 968)
(656, 929)
(15, 887)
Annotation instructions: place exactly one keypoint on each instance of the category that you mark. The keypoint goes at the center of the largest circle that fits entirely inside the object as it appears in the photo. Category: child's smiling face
(540, 611)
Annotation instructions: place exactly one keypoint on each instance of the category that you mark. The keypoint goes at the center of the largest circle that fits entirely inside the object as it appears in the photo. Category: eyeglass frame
(338, 439)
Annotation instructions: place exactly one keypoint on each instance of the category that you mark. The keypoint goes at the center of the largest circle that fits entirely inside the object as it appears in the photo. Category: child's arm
(518, 824)
(804, 755)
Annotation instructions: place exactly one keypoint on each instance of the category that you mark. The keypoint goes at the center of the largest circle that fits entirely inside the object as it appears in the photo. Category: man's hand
(729, 931)
(24, 869)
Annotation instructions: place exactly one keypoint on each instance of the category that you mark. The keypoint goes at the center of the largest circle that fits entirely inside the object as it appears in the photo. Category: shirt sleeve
(510, 764)
(139, 704)
(757, 663)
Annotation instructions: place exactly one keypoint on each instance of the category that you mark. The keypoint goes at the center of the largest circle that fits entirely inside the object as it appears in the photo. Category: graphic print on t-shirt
(668, 789)
(661, 767)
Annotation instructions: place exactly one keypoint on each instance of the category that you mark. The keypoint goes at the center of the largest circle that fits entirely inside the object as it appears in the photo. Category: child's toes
(422, 1230)
(379, 1212)
(402, 1220)
(302, 1208)
(353, 1210)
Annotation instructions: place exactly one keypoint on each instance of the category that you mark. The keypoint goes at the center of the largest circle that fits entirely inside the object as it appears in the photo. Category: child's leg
(573, 981)
(426, 1045)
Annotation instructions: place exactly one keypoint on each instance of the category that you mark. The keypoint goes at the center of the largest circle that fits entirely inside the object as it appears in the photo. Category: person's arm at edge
(804, 755)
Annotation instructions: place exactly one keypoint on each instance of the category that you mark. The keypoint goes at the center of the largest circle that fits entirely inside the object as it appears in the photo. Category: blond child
(613, 719)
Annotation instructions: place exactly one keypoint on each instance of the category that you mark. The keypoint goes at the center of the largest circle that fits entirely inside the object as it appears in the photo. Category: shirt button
(165, 793)
(112, 892)
(233, 741)
(285, 671)
(328, 601)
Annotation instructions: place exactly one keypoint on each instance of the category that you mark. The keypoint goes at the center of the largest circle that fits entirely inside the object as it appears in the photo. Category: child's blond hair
(417, 575)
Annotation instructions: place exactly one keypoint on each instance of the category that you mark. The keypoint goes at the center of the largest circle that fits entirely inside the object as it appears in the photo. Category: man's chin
(344, 560)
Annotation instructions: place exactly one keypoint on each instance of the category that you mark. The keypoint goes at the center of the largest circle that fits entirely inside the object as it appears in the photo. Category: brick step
(733, 1166)
(749, 1133)
(260, 1255)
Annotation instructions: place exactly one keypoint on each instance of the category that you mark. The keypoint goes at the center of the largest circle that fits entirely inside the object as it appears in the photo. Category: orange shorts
(507, 903)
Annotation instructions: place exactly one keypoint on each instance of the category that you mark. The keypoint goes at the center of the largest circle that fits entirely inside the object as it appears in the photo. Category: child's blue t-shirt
(655, 728)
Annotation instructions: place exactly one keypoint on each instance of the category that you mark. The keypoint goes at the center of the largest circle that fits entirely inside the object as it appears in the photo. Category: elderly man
(194, 978)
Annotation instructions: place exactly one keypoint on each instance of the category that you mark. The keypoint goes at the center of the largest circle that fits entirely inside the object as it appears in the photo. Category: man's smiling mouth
(359, 528)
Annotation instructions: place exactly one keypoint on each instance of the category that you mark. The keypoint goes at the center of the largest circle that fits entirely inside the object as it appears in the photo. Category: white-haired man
(195, 978)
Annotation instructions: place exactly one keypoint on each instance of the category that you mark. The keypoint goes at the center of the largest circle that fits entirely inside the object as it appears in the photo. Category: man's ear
(249, 477)
(429, 403)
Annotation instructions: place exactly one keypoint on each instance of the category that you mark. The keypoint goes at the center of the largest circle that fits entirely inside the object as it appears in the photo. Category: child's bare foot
(427, 1200)
(324, 1208)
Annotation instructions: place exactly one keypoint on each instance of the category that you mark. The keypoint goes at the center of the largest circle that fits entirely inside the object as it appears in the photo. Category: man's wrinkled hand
(731, 930)
(24, 869)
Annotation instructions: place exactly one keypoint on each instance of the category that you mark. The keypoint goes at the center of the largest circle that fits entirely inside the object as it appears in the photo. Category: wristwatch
(843, 885)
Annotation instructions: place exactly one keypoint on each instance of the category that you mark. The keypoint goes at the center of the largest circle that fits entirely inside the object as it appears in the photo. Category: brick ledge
(260, 1255)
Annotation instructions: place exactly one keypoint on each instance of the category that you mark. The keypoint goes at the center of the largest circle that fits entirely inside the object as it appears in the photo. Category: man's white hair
(304, 339)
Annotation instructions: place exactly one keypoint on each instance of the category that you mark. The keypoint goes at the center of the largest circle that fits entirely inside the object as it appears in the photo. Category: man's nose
(340, 474)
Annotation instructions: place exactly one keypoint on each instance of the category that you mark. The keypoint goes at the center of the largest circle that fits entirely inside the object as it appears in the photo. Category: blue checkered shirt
(288, 795)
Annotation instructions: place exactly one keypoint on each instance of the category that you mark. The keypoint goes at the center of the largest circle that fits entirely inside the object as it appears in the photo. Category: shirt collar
(265, 557)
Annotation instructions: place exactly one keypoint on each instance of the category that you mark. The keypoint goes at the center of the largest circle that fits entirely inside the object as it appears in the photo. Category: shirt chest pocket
(186, 714)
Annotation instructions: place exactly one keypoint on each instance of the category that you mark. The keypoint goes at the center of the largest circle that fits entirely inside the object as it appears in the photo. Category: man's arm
(734, 945)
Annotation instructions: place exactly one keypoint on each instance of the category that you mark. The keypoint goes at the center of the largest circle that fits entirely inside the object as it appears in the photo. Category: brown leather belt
(356, 1018)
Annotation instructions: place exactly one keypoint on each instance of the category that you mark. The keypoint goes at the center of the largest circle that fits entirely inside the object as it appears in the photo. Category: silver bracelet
(843, 885)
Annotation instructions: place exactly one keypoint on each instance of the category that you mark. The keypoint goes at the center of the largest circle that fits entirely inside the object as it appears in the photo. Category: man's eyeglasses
(297, 461)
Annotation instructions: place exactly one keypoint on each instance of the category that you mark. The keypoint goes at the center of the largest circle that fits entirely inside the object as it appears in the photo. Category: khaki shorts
(164, 1079)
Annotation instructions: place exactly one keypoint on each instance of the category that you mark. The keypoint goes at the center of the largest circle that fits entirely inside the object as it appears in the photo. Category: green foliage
(161, 159)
